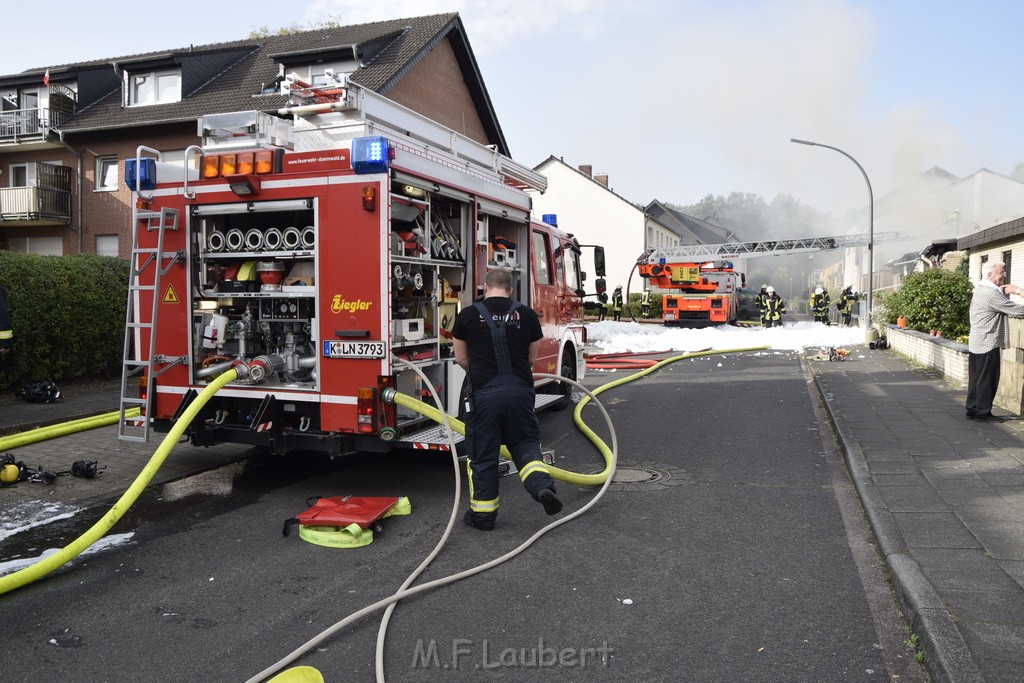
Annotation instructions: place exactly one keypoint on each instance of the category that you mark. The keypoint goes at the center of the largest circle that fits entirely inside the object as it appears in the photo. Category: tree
(935, 299)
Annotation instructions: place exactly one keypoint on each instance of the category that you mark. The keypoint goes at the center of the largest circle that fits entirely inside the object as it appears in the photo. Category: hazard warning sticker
(170, 296)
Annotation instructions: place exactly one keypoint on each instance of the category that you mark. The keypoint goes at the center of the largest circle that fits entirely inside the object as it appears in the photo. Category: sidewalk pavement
(122, 460)
(945, 496)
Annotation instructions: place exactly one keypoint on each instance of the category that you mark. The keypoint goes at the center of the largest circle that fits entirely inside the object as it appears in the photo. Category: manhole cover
(647, 476)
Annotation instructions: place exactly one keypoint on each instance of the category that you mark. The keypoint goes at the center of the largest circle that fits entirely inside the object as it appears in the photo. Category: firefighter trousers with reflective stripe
(503, 414)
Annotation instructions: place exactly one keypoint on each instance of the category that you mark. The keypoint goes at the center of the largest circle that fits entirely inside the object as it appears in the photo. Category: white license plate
(355, 349)
(670, 316)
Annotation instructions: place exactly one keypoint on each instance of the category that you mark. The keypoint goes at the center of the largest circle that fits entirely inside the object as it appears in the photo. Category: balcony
(47, 202)
(28, 125)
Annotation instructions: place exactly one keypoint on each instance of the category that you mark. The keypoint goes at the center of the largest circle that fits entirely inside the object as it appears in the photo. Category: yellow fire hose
(64, 428)
(557, 473)
(602, 479)
(97, 530)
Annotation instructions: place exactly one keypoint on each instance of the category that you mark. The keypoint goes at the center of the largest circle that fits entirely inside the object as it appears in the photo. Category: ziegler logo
(339, 305)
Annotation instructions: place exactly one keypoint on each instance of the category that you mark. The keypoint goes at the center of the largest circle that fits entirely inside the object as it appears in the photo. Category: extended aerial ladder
(690, 255)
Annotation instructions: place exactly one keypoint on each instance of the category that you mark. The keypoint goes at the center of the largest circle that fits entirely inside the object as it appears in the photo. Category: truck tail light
(366, 410)
(369, 198)
(143, 394)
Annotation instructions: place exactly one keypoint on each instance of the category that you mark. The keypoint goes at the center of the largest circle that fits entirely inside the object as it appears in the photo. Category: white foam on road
(609, 336)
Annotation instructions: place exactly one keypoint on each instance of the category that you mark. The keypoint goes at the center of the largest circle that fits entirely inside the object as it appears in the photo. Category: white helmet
(770, 290)
(819, 290)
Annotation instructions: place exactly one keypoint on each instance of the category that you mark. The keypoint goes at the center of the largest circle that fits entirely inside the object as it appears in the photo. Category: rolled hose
(64, 428)
(51, 562)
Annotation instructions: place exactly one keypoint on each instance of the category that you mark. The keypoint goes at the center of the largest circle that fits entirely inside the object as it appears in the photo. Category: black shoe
(972, 415)
(482, 524)
(988, 417)
(549, 500)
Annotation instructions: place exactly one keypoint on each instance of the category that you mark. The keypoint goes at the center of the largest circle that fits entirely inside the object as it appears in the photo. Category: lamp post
(871, 222)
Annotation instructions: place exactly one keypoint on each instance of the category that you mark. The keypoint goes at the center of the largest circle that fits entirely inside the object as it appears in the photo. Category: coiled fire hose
(51, 562)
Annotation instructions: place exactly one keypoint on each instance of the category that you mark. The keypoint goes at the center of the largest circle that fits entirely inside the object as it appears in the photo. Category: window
(1006, 260)
(106, 245)
(542, 257)
(19, 175)
(155, 87)
(44, 246)
(984, 260)
(106, 174)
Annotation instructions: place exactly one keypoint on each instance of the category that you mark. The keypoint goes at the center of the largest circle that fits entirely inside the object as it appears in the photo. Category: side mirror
(583, 276)
(602, 286)
(599, 261)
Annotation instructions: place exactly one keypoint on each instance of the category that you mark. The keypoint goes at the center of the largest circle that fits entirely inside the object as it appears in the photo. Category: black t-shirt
(522, 330)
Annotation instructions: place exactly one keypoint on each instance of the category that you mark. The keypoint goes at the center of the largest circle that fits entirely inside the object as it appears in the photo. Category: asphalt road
(732, 548)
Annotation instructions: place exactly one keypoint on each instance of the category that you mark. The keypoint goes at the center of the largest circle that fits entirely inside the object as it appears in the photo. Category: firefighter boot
(547, 498)
(484, 521)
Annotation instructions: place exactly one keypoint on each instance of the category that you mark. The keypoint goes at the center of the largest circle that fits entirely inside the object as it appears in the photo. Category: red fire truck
(706, 291)
(314, 249)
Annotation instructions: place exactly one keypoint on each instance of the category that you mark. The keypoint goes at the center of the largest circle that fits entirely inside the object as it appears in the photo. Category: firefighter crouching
(496, 341)
(847, 300)
(761, 296)
(774, 308)
(819, 304)
(617, 304)
(645, 304)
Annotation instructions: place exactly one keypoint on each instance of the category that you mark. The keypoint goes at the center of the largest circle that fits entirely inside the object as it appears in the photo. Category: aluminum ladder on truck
(142, 259)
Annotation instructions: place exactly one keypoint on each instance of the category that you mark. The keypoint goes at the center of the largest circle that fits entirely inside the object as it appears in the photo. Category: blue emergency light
(370, 155)
(146, 172)
(550, 219)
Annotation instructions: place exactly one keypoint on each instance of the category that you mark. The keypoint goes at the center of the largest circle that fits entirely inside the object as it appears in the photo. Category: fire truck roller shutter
(501, 210)
(406, 179)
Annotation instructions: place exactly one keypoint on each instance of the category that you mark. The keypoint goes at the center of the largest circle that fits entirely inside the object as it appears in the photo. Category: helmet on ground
(770, 290)
(10, 473)
(819, 290)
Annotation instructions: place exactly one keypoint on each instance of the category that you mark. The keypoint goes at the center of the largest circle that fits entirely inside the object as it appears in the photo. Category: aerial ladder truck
(703, 283)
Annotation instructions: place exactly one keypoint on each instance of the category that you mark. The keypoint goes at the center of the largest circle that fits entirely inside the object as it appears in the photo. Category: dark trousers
(503, 413)
(982, 381)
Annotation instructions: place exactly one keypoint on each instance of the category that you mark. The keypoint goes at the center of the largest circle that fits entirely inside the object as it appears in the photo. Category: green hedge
(933, 300)
(67, 314)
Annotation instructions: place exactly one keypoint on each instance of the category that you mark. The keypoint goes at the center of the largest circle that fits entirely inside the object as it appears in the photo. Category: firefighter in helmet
(645, 304)
(617, 304)
(774, 308)
(819, 304)
(761, 296)
(602, 300)
(845, 303)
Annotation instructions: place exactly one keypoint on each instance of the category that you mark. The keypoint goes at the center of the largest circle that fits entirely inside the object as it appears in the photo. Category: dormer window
(154, 87)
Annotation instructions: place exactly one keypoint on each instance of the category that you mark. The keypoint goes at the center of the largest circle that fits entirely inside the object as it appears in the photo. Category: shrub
(933, 300)
(67, 314)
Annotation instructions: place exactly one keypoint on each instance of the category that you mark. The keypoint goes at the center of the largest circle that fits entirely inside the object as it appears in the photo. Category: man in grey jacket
(990, 307)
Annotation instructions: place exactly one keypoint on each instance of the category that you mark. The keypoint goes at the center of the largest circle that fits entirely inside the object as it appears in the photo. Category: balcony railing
(48, 201)
(29, 124)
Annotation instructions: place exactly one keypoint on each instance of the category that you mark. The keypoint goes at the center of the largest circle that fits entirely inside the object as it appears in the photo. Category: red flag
(46, 78)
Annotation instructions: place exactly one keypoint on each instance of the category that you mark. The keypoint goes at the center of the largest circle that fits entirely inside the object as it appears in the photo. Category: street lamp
(871, 221)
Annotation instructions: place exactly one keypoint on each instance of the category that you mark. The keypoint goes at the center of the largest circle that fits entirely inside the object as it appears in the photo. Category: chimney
(587, 170)
(601, 178)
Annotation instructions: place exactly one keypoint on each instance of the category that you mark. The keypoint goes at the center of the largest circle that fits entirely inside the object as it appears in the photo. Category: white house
(589, 209)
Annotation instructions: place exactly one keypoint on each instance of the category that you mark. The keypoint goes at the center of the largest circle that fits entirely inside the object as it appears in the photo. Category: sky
(673, 99)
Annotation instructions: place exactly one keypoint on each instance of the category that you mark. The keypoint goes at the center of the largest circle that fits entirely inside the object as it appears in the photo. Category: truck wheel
(564, 388)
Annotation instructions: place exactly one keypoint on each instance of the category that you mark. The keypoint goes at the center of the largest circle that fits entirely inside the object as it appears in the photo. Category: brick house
(66, 130)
